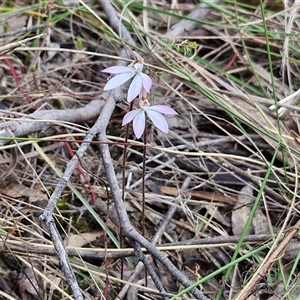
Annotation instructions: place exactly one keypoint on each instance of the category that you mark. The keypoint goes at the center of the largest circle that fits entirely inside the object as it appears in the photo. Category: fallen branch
(41, 120)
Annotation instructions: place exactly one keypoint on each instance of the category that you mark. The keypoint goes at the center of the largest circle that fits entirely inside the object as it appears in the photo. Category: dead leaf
(216, 214)
(29, 282)
(280, 290)
(54, 279)
(79, 240)
(255, 296)
(4, 286)
(242, 210)
(291, 250)
(210, 196)
(260, 222)
(52, 53)
(11, 23)
(16, 190)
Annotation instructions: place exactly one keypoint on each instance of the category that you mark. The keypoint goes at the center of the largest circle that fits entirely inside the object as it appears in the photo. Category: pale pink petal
(167, 110)
(135, 88)
(138, 67)
(118, 80)
(158, 120)
(130, 116)
(139, 123)
(147, 82)
(117, 70)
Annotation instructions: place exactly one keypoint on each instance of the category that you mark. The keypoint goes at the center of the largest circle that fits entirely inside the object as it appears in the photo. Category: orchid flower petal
(147, 82)
(158, 120)
(118, 80)
(118, 69)
(167, 110)
(135, 87)
(130, 116)
(139, 123)
(138, 67)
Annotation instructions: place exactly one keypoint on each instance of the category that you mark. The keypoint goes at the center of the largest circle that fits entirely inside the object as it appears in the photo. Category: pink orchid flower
(154, 113)
(123, 74)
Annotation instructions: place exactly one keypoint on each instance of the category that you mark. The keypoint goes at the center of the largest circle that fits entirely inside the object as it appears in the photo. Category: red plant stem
(93, 197)
(228, 66)
(107, 265)
(17, 80)
(123, 184)
(143, 193)
(82, 173)
(143, 181)
(70, 151)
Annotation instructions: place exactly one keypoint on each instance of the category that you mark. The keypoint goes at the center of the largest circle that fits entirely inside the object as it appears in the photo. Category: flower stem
(143, 191)
(123, 185)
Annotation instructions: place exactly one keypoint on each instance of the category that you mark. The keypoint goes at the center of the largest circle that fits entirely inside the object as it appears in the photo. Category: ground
(207, 196)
